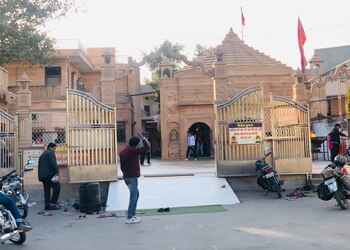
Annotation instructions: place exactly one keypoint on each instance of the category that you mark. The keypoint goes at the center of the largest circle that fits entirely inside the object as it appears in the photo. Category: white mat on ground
(162, 192)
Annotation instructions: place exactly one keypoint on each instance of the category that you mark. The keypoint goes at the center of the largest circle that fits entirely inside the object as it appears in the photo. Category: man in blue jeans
(9, 204)
(130, 166)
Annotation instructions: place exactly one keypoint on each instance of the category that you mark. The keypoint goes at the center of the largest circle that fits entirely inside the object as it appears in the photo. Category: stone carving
(174, 152)
(173, 136)
(173, 110)
(172, 96)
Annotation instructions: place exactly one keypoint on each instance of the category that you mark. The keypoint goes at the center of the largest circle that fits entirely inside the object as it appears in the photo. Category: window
(121, 132)
(48, 127)
(147, 109)
(52, 76)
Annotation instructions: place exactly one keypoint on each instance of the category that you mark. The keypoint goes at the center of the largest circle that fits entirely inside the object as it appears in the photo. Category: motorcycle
(269, 178)
(13, 187)
(8, 228)
(335, 183)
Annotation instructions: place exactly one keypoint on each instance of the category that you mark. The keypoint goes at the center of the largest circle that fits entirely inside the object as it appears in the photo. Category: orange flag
(301, 42)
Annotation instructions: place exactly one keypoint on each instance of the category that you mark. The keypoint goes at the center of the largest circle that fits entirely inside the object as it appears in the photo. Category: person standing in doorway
(148, 153)
(143, 154)
(191, 142)
(130, 166)
(48, 175)
(199, 142)
(334, 137)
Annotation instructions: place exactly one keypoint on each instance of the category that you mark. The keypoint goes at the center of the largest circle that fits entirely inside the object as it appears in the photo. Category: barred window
(52, 76)
(48, 127)
(121, 132)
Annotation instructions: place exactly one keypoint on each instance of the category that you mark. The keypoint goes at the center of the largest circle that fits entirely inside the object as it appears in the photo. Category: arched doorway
(203, 135)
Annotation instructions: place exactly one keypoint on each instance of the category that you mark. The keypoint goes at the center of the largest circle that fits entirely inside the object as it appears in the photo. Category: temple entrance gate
(91, 139)
(277, 122)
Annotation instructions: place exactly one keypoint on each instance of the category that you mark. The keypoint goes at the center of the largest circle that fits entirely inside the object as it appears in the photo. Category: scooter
(8, 228)
(12, 186)
(335, 183)
(269, 178)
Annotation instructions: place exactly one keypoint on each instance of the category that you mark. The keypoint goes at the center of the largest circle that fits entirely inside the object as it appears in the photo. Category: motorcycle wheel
(278, 191)
(19, 238)
(23, 210)
(341, 199)
(275, 186)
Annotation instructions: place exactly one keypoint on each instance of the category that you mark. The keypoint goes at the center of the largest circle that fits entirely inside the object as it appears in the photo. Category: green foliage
(161, 53)
(201, 49)
(20, 34)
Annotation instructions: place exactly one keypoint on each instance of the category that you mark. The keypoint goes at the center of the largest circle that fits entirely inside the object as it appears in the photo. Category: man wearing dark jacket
(48, 175)
(130, 166)
(335, 140)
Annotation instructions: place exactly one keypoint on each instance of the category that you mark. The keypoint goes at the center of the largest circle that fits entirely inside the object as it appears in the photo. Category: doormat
(182, 210)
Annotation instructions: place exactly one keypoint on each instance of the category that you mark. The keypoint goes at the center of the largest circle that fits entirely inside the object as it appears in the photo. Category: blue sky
(139, 26)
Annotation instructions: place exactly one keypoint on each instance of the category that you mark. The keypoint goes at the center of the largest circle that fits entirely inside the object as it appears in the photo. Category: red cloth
(129, 160)
(344, 170)
(329, 143)
(242, 18)
(301, 42)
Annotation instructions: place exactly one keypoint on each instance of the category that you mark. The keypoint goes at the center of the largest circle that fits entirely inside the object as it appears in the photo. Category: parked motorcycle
(269, 178)
(12, 186)
(335, 183)
(8, 228)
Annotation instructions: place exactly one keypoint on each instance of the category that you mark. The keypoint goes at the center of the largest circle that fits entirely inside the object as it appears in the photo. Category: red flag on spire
(301, 42)
(242, 18)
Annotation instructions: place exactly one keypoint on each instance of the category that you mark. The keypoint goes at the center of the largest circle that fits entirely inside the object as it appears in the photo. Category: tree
(201, 50)
(20, 23)
(154, 59)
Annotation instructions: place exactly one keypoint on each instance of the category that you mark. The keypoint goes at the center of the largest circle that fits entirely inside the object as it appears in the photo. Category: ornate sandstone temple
(188, 95)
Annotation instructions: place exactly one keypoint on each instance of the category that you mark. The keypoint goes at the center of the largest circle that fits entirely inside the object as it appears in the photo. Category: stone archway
(203, 135)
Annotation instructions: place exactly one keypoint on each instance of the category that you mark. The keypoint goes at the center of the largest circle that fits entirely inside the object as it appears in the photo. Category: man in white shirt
(191, 142)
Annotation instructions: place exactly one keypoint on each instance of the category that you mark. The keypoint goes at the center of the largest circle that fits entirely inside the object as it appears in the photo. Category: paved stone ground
(258, 222)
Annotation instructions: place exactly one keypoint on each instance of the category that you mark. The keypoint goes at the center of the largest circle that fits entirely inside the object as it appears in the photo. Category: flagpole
(242, 32)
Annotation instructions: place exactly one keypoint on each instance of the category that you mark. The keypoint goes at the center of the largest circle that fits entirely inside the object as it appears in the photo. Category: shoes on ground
(133, 220)
(52, 207)
(22, 225)
(195, 159)
(186, 159)
(161, 210)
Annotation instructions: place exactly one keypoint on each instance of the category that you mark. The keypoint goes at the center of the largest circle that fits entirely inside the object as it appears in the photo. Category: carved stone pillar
(108, 79)
(301, 88)
(24, 104)
(221, 88)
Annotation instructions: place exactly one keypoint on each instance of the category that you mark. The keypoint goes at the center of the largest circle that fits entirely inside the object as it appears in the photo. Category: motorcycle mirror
(31, 161)
(266, 148)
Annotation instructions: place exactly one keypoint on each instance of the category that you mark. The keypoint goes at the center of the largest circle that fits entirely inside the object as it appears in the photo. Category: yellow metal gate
(258, 121)
(8, 142)
(290, 134)
(91, 140)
